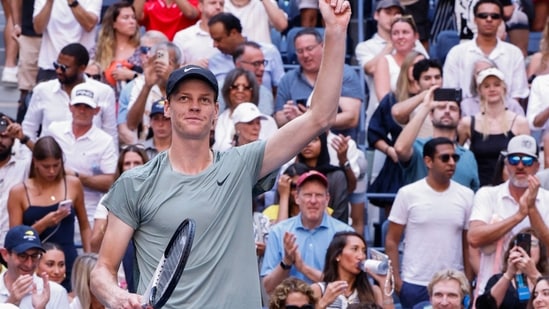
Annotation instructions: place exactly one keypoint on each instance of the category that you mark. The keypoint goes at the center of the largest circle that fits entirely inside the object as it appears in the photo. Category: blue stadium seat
(290, 48)
(445, 41)
(533, 42)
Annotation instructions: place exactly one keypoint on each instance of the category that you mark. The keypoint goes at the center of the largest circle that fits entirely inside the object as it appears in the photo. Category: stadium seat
(445, 41)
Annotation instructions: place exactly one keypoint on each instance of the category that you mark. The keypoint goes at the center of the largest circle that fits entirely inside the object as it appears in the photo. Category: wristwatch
(24, 140)
(74, 4)
(347, 165)
(284, 266)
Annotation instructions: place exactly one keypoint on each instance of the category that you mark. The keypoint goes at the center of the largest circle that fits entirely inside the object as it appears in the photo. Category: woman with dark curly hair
(344, 282)
(292, 293)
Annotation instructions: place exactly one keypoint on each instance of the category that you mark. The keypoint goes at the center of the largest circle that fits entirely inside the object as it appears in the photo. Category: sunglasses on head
(446, 157)
(63, 67)
(94, 76)
(486, 15)
(526, 160)
(307, 306)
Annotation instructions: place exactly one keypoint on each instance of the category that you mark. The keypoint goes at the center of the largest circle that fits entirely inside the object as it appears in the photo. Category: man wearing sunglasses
(19, 285)
(432, 214)
(459, 65)
(500, 212)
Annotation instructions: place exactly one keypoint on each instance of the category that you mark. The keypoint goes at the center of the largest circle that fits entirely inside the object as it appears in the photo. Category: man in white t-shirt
(19, 285)
(502, 211)
(432, 214)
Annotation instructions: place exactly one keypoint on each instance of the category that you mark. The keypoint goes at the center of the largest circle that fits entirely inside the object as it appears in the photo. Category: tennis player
(189, 180)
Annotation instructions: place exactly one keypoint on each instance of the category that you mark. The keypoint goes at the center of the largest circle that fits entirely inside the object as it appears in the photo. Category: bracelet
(284, 266)
(506, 277)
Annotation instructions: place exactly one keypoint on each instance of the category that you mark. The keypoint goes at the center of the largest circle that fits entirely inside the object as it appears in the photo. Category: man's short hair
(423, 66)
(450, 274)
(228, 20)
(481, 2)
(241, 48)
(430, 148)
(309, 31)
(78, 51)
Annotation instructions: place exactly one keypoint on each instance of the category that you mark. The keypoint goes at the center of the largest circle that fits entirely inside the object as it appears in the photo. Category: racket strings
(168, 269)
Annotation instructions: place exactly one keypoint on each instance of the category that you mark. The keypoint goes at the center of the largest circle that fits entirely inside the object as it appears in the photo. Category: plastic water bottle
(375, 266)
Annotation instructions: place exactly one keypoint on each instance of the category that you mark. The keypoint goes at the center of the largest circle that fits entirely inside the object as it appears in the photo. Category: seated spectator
(297, 85)
(21, 252)
(36, 202)
(539, 64)
(117, 48)
(489, 131)
(152, 87)
(93, 70)
(240, 86)
(403, 37)
(539, 297)
(226, 32)
(164, 16)
(52, 263)
(471, 105)
(447, 289)
(247, 123)
(343, 281)
(160, 129)
(82, 268)
(297, 246)
(258, 17)
(195, 42)
(292, 292)
(520, 269)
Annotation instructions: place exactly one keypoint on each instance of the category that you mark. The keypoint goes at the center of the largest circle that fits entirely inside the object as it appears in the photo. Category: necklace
(52, 198)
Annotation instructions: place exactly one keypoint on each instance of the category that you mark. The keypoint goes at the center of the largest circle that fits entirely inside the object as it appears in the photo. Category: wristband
(284, 266)
(25, 139)
(74, 4)
(506, 277)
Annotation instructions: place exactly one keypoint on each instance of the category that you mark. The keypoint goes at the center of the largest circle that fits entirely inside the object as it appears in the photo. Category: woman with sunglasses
(239, 86)
(520, 271)
(117, 48)
(292, 293)
(50, 200)
(490, 130)
(344, 282)
(403, 37)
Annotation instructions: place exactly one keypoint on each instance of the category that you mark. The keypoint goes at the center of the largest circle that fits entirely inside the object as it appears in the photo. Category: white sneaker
(9, 75)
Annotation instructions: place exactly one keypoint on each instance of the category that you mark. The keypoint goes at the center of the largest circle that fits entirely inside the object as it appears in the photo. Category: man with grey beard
(500, 212)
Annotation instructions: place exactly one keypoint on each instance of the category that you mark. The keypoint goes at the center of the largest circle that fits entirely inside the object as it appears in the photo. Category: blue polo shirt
(312, 244)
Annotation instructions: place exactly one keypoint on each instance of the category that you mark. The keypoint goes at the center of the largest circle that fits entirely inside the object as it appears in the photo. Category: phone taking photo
(447, 94)
(65, 205)
(524, 240)
(163, 56)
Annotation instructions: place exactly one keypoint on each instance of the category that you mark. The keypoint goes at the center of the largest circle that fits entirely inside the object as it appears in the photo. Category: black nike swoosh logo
(220, 183)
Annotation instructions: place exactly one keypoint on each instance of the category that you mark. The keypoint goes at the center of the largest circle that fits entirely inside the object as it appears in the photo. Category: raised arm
(87, 19)
(402, 110)
(187, 9)
(321, 115)
(40, 20)
(382, 79)
(277, 17)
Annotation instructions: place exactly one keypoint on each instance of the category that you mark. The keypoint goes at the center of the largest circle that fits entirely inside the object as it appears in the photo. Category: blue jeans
(411, 294)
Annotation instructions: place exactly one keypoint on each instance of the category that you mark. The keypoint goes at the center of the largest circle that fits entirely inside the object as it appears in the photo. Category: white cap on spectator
(482, 75)
(83, 94)
(246, 112)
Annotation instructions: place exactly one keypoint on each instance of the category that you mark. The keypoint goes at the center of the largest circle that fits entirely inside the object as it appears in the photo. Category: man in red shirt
(166, 16)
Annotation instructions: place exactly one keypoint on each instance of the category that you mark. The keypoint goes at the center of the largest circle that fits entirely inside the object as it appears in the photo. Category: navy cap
(191, 72)
(157, 107)
(22, 238)
(384, 4)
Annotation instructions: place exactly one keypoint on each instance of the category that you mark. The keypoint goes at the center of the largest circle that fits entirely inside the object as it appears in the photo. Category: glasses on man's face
(526, 160)
(307, 306)
(23, 257)
(144, 49)
(490, 15)
(310, 48)
(94, 76)
(446, 157)
(257, 64)
(58, 65)
(241, 87)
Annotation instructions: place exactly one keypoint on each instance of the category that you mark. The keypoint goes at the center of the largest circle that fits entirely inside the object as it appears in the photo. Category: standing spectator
(432, 215)
(486, 44)
(36, 202)
(226, 32)
(9, 74)
(90, 152)
(165, 15)
(500, 212)
(258, 17)
(50, 100)
(19, 285)
(62, 23)
(117, 50)
(195, 42)
(297, 85)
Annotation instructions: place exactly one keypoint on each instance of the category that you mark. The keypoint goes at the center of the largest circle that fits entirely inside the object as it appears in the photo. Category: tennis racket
(171, 266)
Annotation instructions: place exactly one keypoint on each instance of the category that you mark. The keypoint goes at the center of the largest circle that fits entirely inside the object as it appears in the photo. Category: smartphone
(3, 124)
(64, 205)
(524, 241)
(301, 102)
(447, 94)
(163, 55)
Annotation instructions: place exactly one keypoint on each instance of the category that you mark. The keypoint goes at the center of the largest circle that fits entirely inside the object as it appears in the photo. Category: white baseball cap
(482, 75)
(84, 94)
(246, 112)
